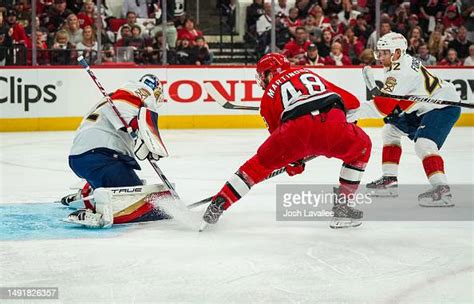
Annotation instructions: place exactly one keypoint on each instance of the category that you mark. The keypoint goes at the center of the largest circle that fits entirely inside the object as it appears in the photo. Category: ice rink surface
(248, 257)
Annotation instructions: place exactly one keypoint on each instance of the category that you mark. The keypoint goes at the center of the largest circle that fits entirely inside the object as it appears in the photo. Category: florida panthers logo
(390, 84)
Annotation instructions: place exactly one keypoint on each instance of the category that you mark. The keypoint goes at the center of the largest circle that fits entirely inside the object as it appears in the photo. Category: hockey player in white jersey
(428, 125)
(103, 153)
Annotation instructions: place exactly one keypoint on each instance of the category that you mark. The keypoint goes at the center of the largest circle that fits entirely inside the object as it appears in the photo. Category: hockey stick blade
(212, 91)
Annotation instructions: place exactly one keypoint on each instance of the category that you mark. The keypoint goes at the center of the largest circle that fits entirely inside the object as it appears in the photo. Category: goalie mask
(153, 83)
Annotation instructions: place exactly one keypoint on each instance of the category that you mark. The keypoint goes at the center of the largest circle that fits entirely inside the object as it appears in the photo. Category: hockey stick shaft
(157, 169)
(271, 175)
(415, 98)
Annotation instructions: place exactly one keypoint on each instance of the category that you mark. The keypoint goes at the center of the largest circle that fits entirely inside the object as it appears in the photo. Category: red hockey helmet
(271, 62)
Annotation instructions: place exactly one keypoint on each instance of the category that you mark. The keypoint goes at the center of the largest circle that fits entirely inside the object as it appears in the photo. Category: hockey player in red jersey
(305, 115)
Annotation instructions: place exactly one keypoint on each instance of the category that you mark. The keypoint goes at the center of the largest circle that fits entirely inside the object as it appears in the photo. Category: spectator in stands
(74, 5)
(312, 29)
(296, 48)
(414, 40)
(336, 57)
(436, 45)
(23, 12)
(264, 23)
(400, 20)
(320, 19)
(282, 8)
(18, 35)
(6, 43)
(469, 61)
(361, 29)
(62, 50)
(451, 59)
(126, 35)
(351, 46)
(332, 6)
(179, 20)
(452, 18)
(203, 55)
(413, 22)
(336, 27)
(139, 7)
(254, 11)
(385, 28)
(2, 21)
(189, 31)
(185, 54)
(131, 21)
(292, 21)
(87, 15)
(38, 26)
(324, 47)
(157, 48)
(467, 12)
(303, 8)
(142, 52)
(108, 54)
(347, 16)
(424, 55)
(367, 57)
(312, 57)
(42, 55)
(57, 14)
(88, 47)
(429, 11)
(461, 44)
(73, 29)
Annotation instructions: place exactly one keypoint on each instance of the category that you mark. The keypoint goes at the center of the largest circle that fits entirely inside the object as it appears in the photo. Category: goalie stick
(273, 174)
(211, 90)
(158, 171)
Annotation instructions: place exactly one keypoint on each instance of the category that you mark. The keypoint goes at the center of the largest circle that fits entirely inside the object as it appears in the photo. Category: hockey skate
(213, 212)
(344, 216)
(68, 199)
(89, 219)
(386, 186)
(438, 196)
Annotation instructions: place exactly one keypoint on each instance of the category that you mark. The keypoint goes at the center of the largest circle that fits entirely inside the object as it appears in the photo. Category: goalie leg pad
(130, 204)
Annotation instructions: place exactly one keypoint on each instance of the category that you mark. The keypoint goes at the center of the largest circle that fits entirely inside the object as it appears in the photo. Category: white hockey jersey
(101, 127)
(408, 76)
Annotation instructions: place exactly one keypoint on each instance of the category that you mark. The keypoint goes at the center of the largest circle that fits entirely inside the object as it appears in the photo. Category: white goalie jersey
(101, 127)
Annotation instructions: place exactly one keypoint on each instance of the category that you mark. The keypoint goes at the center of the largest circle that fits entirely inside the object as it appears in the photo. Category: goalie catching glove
(149, 143)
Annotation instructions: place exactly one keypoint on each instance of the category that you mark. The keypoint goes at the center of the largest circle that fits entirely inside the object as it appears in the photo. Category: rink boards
(47, 98)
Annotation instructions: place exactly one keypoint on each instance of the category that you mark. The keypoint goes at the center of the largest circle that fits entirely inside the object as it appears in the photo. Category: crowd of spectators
(342, 32)
(65, 29)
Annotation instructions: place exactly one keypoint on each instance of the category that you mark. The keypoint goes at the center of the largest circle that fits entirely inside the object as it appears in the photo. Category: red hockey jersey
(299, 91)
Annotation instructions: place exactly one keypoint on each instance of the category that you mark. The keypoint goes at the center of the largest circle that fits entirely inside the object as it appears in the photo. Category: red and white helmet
(271, 62)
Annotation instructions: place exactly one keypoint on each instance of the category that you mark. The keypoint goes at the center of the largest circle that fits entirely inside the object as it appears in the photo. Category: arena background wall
(47, 98)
